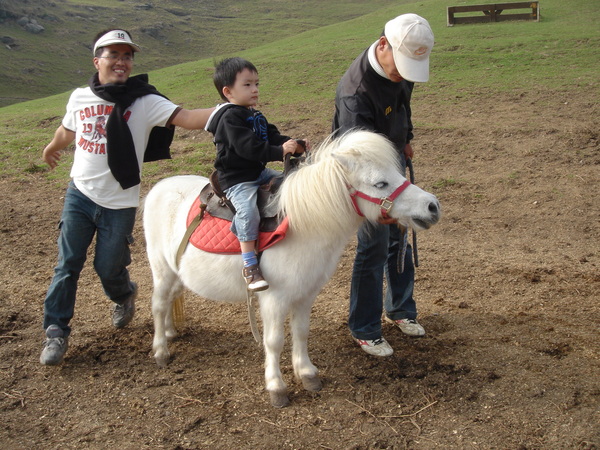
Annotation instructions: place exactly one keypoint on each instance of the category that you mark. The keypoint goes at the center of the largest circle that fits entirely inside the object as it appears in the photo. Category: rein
(411, 172)
(385, 203)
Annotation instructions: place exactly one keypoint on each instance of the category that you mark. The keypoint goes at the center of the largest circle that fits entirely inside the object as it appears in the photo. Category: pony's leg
(161, 306)
(273, 312)
(176, 296)
(303, 367)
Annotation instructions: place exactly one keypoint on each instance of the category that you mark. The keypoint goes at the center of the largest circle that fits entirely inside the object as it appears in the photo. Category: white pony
(347, 180)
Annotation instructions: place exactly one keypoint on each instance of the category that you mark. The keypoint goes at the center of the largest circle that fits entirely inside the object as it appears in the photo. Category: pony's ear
(345, 161)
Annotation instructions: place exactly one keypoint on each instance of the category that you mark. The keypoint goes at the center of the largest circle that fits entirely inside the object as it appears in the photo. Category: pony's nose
(434, 209)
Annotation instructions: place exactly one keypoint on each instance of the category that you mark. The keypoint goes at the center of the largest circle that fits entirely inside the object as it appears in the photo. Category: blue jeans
(376, 255)
(244, 196)
(81, 220)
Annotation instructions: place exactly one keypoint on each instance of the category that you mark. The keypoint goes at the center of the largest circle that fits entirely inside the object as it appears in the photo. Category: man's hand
(408, 151)
(52, 152)
(51, 156)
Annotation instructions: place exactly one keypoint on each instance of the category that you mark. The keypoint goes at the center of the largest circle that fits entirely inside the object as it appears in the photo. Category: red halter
(384, 203)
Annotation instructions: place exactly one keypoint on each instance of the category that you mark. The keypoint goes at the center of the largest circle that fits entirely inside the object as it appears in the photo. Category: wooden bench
(493, 12)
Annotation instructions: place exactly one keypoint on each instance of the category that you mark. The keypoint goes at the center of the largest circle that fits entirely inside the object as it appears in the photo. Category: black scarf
(122, 159)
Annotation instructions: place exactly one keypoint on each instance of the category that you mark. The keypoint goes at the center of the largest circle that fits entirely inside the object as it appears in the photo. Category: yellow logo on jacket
(388, 110)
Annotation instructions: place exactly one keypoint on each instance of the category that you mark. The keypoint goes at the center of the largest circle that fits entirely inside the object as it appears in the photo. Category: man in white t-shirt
(117, 123)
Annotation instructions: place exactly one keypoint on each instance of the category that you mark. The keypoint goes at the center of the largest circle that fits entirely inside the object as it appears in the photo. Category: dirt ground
(507, 289)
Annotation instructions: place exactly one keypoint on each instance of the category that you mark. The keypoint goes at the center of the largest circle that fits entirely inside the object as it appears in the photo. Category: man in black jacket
(374, 94)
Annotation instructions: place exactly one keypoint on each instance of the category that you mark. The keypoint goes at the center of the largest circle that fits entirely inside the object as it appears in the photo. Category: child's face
(244, 91)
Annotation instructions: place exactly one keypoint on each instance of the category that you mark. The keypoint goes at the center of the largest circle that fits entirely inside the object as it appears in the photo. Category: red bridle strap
(384, 203)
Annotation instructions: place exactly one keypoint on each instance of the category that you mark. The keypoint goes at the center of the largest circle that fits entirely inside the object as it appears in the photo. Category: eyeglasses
(125, 58)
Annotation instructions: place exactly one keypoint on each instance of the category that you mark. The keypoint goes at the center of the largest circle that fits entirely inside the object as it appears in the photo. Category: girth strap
(188, 233)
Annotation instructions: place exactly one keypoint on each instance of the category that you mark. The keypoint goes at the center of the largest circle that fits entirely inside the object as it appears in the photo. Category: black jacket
(364, 99)
(245, 143)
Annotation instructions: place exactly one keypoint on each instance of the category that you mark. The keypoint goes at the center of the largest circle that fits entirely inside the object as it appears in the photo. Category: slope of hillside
(171, 31)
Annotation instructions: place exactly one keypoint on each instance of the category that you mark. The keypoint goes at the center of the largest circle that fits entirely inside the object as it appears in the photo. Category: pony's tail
(178, 311)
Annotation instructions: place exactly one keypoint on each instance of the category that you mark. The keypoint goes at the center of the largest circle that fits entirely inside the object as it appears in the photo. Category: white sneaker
(409, 327)
(376, 347)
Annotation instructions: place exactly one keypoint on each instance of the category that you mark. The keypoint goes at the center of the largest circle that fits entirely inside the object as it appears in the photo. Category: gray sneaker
(123, 314)
(55, 346)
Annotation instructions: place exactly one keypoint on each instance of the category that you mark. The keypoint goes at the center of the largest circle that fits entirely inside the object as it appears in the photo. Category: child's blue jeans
(243, 196)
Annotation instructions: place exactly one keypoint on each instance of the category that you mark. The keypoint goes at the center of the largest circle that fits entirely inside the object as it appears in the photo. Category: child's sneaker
(55, 346)
(254, 278)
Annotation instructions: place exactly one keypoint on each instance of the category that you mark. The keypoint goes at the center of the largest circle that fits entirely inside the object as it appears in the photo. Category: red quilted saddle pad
(213, 234)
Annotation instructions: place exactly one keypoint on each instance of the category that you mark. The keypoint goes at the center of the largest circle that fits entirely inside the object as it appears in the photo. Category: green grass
(562, 49)
(299, 74)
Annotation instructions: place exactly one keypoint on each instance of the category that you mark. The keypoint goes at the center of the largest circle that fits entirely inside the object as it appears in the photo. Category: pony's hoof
(279, 399)
(162, 360)
(312, 383)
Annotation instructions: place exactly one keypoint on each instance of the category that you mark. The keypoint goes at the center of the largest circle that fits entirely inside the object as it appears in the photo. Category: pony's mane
(371, 146)
(316, 195)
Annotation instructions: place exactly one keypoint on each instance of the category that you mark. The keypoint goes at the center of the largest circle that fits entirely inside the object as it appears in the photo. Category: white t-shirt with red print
(87, 115)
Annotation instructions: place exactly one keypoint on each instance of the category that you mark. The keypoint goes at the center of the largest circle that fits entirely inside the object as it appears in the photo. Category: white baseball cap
(115, 37)
(411, 39)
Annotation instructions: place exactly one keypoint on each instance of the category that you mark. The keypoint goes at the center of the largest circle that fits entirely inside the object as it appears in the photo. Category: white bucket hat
(411, 39)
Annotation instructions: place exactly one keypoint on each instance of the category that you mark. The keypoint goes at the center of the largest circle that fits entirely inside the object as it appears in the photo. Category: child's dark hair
(226, 72)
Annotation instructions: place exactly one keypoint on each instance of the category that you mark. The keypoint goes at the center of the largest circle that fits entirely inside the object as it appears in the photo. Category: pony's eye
(381, 185)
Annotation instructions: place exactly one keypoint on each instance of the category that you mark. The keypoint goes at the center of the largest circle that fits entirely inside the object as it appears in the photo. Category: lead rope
(414, 233)
(402, 253)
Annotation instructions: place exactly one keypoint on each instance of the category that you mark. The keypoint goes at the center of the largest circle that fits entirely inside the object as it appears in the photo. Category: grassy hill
(170, 32)
(299, 74)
